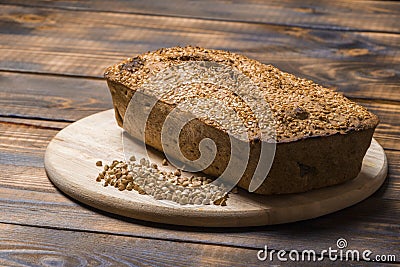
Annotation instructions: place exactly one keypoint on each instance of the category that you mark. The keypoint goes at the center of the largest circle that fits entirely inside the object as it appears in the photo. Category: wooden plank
(336, 15)
(387, 132)
(360, 64)
(31, 246)
(391, 188)
(36, 122)
(51, 97)
(23, 145)
(373, 219)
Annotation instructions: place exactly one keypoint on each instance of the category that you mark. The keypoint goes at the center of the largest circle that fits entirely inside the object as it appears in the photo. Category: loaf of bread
(321, 136)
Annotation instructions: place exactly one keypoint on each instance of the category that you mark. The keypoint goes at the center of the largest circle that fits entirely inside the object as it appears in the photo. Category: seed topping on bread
(299, 108)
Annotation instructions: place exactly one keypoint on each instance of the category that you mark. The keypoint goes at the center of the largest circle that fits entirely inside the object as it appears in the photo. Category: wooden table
(51, 62)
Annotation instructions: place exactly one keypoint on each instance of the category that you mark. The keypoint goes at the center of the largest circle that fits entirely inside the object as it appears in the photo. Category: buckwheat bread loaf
(321, 136)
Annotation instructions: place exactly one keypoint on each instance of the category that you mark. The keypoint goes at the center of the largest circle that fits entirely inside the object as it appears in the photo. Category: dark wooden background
(52, 56)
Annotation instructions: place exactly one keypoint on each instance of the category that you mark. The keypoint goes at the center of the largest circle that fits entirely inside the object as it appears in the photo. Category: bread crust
(306, 157)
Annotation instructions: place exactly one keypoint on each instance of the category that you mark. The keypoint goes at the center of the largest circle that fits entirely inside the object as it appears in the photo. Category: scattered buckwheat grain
(145, 178)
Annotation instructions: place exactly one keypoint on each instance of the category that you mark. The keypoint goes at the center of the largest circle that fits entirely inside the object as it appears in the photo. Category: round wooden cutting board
(70, 164)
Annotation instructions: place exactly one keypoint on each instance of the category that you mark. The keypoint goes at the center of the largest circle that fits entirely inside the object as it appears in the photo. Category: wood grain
(391, 187)
(23, 145)
(47, 247)
(372, 223)
(51, 41)
(337, 15)
(387, 132)
(32, 121)
(49, 97)
(32, 246)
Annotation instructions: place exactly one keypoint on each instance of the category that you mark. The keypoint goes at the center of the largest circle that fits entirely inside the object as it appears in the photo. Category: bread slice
(321, 136)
